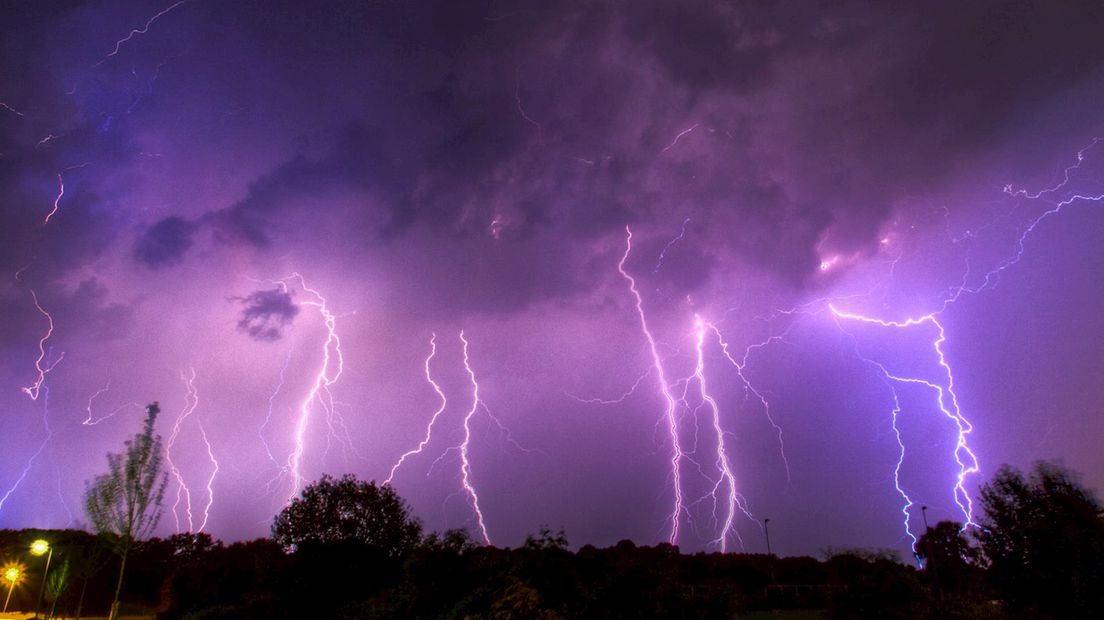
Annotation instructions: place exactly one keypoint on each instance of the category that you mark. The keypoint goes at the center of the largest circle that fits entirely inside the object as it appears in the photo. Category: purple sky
(432, 167)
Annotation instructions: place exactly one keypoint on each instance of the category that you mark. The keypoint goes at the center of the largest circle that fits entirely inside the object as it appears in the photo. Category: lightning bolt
(665, 390)
(89, 421)
(211, 480)
(433, 420)
(328, 374)
(679, 137)
(10, 109)
(33, 389)
(946, 399)
(521, 110)
(268, 415)
(41, 447)
(722, 462)
(740, 366)
(663, 253)
(465, 462)
(143, 30)
(191, 401)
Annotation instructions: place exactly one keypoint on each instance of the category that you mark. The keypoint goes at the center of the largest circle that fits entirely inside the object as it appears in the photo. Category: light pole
(13, 574)
(766, 532)
(40, 547)
(924, 513)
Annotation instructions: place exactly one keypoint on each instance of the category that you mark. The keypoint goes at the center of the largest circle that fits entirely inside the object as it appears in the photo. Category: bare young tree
(124, 504)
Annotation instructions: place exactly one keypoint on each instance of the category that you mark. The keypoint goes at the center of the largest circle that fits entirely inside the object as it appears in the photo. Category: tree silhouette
(348, 510)
(124, 504)
(950, 559)
(1043, 538)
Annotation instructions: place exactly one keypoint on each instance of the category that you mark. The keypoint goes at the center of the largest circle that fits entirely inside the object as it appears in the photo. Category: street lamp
(40, 547)
(12, 573)
(766, 532)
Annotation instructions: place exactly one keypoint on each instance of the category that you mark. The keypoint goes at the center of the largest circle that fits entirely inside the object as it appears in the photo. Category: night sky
(268, 216)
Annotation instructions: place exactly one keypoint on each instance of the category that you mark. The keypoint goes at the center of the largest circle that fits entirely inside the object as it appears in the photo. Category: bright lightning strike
(946, 399)
(328, 374)
(211, 480)
(61, 192)
(465, 462)
(33, 389)
(665, 391)
(436, 414)
(191, 401)
(722, 463)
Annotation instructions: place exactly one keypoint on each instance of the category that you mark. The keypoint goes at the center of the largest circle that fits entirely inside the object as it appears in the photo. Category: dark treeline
(351, 549)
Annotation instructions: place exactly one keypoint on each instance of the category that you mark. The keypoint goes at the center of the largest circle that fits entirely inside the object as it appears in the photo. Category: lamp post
(766, 532)
(40, 547)
(924, 513)
(12, 574)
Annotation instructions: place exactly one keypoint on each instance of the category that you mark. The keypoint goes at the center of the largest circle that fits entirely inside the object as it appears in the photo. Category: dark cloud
(165, 243)
(265, 314)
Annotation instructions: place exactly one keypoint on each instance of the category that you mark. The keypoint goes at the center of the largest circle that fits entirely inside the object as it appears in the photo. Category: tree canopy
(347, 510)
(124, 504)
(1043, 538)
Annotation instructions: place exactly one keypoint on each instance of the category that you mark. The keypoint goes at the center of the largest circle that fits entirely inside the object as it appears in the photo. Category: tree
(124, 504)
(950, 559)
(1043, 539)
(348, 510)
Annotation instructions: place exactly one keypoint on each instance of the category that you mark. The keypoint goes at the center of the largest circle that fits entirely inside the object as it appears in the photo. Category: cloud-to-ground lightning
(40, 370)
(183, 493)
(670, 402)
(723, 463)
(946, 399)
(211, 480)
(465, 461)
(144, 29)
(432, 420)
(740, 367)
(328, 373)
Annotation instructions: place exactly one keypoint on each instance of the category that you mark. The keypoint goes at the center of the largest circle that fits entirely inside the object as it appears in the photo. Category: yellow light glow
(40, 547)
(13, 573)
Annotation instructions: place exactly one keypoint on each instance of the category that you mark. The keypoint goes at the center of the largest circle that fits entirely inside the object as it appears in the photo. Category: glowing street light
(40, 547)
(12, 573)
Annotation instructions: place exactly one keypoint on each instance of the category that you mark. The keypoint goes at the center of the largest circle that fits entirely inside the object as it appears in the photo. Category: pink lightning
(665, 390)
(191, 401)
(211, 480)
(328, 374)
(465, 463)
(740, 367)
(679, 137)
(722, 462)
(436, 414)
(91, 420)
(33, 389)
(946, 398)
(41, 447)
(61, 192)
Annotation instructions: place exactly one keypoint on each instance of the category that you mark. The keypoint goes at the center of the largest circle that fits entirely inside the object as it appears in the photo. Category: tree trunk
(80, 601)
(118, 589)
